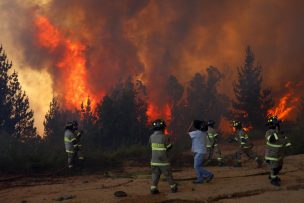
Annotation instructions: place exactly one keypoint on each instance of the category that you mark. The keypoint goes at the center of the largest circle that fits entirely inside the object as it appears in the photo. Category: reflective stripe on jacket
(275, 144)
(211, 137)
(69, 141)
(242, 138)
(159, 145)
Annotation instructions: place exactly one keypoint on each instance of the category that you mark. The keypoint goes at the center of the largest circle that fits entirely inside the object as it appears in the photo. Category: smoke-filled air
(113, 72)
(75, 49)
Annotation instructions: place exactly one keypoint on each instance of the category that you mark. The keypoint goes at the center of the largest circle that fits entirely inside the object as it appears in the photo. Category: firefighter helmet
(159, 124)
(69, 125)
(211, 123)
(75, 124)
(237, 124)
(273, 122)
(72, 125)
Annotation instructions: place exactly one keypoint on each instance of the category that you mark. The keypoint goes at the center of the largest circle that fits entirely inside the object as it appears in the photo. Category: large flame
(156, 112)
(72, 64)
(287, 103)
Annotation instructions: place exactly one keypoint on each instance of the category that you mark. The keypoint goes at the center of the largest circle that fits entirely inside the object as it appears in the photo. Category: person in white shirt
(198, 133)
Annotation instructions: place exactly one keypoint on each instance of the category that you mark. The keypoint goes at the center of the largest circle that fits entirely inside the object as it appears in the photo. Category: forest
(117, 128)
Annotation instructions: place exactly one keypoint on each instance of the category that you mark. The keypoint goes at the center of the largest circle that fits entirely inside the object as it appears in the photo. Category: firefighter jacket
(276, 143)
(70, 141)
(242, 138)
(78, 134)
(211, 137)
(159, 145)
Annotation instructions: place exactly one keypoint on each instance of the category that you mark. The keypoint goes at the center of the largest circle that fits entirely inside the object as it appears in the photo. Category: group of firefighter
(204, 146)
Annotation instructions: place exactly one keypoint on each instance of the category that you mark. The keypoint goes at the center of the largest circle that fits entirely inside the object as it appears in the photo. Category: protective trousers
(275, 168)
(71, 159)
(215, 150)
(157, 171)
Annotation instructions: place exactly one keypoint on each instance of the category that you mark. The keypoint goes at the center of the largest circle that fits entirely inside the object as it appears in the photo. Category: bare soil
(247, 184)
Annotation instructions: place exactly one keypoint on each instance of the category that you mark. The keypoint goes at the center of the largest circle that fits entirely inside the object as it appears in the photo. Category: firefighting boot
(279, 179)
(276, 182)
(219, 162)
(154, 190)
(174, 188)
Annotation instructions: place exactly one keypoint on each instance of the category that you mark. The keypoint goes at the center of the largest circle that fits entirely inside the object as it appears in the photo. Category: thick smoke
(154, 39)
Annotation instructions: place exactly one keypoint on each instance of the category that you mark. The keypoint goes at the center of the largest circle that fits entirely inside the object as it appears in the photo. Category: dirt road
(247, 184)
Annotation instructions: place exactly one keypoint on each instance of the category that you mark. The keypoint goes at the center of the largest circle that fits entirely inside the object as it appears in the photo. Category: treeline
(118, 128)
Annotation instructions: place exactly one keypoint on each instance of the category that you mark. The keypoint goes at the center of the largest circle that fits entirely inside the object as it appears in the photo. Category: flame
(155, 112)
(247, 128)
(72, 63)
(287, 103)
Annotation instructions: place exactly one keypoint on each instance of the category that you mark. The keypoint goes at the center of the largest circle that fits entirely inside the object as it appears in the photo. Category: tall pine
(21, 115)
(53, 123)
(252, 102)
(16, 117)
(122, 116)
(5, 104)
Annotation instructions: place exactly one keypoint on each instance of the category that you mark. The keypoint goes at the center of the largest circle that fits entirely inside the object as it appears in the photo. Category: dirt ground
(247, 184)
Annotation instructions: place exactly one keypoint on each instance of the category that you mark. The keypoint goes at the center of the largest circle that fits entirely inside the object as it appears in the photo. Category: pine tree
(54, 123)
(175, 91)
(22, 116)
(203, 99)
(122, 116)
(88, 119)
(251, 102)
(5, 103)
(196, 97)
(16, 117)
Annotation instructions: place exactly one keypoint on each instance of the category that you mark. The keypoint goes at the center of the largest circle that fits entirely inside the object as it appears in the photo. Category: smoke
(154, 39)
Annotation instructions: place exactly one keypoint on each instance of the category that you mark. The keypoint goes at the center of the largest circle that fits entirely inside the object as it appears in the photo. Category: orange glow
(72, 64)
(247, 128)
(154, 112)
(287, 103)
(225, 125)
(48, 35)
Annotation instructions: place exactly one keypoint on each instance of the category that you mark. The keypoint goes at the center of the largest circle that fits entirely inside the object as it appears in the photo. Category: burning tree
(251, 103)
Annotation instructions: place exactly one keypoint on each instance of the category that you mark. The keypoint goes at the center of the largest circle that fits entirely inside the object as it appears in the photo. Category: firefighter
(212, 143)
(160, 164)
(276, 143)
(72, 143)
(198, 132)
(241, 137)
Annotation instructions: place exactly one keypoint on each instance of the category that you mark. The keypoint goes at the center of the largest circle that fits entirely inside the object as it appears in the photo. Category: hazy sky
(151, 40)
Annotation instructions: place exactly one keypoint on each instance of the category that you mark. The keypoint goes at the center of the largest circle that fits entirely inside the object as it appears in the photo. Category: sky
(104, 41)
